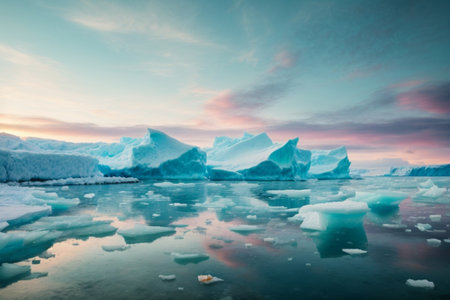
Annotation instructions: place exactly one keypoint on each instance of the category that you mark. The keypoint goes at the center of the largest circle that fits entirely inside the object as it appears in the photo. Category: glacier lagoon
(247, 233)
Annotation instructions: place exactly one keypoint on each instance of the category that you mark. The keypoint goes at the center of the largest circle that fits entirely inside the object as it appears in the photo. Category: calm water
(298, 265)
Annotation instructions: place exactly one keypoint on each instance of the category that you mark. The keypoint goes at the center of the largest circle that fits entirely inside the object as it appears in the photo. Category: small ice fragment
(180, 288)
(111, 248)
(420, 283)
(290, 259)
(423, 227)
(167, 277)
(308, 264)
(248, 245)
(186, 258)
(246, 229)
(155, 215)
(435, 218)
(178, 237)
(394, 226)
(269, 240)
(434, 242)
(75, 244)
(208, 279)
(46, 255)
(251, 217)
(408, 230)
(215, 246)
(89, 196)
(180, 204)
(354, 251)
(291, 193)
(36, 261)
(65, 188)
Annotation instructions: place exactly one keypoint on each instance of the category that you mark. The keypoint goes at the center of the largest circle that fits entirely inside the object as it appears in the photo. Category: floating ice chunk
(144, 233)
(420, 283)
(65, 188)
(426, 184)
(3, 225)
(21, 214)
(395, 226)
(246, 229)
(322, 216)
(186, 258)
(252, 217)
(380, 199)
(19, 245)
(176, 204)
(308, 264)
(435, 218)
(208, 279)
(431, 193)
(434, 242)
(291, 193)
(423, 227)
(269, 240)
(11, 271)
(248, 245)
(170, 277)
(111, 248)
(89, 195)
(354, 251)
(290, 258)
(446, 240)
(168, 184)
(73, 226)
(408, 230)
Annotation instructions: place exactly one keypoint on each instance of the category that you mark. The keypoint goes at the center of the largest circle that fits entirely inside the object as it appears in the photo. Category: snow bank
(82, 181)
(25, 166)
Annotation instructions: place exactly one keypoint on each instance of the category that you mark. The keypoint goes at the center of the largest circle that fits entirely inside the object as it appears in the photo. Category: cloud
(147, 21)
(433, 98)
(284, 60)
(241, 107)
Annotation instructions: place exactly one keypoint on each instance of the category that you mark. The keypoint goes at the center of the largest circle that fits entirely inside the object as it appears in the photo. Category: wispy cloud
(284, 60)
(122, 19)
(434, 98)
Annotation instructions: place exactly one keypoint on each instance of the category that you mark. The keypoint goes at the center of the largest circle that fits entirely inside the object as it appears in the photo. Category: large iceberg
(328, 164)
(25, 166)
(436, 170)
(156, 155)
(257, 158)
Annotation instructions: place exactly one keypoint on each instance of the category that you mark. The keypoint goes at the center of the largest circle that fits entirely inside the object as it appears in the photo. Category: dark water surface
(291, 264)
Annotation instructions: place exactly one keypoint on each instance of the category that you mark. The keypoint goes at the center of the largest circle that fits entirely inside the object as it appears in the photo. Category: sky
(371, 75)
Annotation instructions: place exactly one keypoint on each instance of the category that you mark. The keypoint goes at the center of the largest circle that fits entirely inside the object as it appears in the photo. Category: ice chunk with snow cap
(323, 216)
(141, 233)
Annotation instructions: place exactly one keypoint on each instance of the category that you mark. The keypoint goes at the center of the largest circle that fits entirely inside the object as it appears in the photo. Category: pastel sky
(371, 75)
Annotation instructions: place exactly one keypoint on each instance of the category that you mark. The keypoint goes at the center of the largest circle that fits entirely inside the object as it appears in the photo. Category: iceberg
(329, 164)
(433, 170)
(156, 155)
(324, 216)
(26, 166)
(256, 158)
